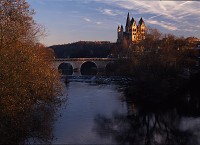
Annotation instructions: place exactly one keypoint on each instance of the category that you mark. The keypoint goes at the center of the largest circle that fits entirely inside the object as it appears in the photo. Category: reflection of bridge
(78, 64)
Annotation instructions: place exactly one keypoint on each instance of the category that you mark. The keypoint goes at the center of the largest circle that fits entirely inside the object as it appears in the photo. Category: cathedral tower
(133, 32)
(120, 32)
(128, 24)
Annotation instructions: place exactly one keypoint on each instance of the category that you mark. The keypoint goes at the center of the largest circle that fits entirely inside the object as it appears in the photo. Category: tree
(27, 73)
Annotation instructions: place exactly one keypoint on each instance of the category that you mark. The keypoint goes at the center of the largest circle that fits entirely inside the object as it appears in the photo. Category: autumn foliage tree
(157, 56)
(159, 64)
(28, 79)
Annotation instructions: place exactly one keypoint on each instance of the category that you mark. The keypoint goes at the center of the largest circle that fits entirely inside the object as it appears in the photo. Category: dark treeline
(159, 55)
(83, 49)
(163, 66)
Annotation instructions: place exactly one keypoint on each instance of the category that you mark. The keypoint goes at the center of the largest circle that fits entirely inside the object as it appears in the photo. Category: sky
(68, 21)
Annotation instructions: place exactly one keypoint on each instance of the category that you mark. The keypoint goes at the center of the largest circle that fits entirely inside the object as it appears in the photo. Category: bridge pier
(76, 73)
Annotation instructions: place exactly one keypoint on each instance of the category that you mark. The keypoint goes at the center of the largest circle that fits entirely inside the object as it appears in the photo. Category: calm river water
(98, 114)
(85, 103)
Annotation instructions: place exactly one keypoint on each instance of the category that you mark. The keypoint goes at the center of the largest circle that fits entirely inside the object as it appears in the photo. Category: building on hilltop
(133, 32)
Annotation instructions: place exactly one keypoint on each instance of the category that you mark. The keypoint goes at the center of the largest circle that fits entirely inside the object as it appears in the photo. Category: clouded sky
(69, 21)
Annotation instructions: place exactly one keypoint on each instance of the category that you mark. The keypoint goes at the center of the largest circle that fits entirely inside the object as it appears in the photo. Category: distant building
(133, 32)
(192, 40)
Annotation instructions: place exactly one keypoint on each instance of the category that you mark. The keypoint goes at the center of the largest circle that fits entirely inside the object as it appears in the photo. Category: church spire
(127, 23)
(141, 21)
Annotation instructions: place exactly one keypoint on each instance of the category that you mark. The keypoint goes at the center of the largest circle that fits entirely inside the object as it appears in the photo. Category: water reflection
(173, 122)
(88, 118)
(85, 101)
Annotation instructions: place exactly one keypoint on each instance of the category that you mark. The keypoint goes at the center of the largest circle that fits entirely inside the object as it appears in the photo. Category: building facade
(133, 32)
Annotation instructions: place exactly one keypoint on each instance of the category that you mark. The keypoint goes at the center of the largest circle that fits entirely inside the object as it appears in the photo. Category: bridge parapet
(86, 59)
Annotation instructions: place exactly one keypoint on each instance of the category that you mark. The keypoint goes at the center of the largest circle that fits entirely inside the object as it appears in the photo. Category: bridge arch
(110, 68)
(65, 68)
(89, 68)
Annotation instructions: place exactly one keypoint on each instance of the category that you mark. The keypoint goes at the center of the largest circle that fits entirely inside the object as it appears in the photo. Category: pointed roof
(128, 20)
(132, 21)
(122, 27)
(141, 21)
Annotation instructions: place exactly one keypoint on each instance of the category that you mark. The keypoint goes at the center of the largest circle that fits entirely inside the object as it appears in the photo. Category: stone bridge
(78, 65)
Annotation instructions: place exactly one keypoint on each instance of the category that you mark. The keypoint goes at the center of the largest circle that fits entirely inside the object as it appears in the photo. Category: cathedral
(133, 33)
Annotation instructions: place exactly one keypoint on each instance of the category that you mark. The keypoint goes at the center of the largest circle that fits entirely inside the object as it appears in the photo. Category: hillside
(83, 49)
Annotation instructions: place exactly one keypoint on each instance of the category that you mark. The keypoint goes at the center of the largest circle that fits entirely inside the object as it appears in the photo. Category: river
(85, 102)
(98, 114)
